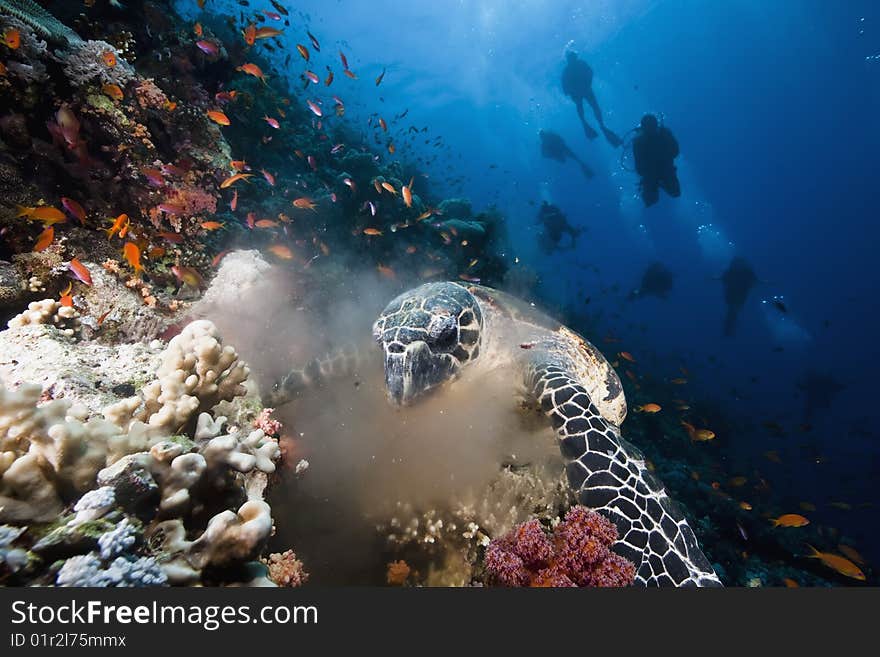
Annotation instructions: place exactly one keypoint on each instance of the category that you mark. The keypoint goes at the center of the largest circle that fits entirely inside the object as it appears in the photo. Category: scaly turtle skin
(440, 331)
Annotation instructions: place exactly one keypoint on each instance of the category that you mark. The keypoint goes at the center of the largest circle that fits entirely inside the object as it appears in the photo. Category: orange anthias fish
(281, 251)
(252, 69)
(304, 203)
(649, 408)
(250, 34)
(790, 520)
(118, 224)
(174, 238)
(46, 213)
(239, 165)
(218, 117)
(45, 239)
(267, 32)
(389, 187)
(383, 125)
(197, 29)
(697, 435)
(231, 180)
(350, 74)
(212, 225)
(109, 58)
(790, 583)
(837, 563)
(219, 257)
(407, 194)
(133, 256)
(12, 39)
(391, 148)
(266, 223)
(303, 51)
(372, 231)
(65, 298)
(80, 271)
(113, 91)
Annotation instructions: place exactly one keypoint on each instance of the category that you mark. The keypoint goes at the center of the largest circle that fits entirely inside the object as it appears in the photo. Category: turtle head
(428, 334)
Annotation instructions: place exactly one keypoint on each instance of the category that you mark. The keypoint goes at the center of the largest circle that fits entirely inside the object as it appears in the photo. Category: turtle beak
(412, 372)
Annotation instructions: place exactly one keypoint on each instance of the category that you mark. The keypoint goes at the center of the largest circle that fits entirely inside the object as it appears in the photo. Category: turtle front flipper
(609, 475)
(346, 361)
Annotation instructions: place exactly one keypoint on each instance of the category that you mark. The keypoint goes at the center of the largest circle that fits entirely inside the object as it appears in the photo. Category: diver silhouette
(819, 389)
(555, 225)
(656, 282)
(654, 149)
(554, 147)
(577, 84)
(738, 280)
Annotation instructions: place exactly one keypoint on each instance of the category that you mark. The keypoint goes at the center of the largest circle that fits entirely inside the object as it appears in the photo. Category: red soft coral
(577, 554)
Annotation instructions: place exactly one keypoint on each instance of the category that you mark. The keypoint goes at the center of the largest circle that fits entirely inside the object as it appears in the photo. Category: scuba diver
(555, 148)
(577, 84)
(738, 280)
(820, 389)
(654, 149)
(656, 282)
(555, 224)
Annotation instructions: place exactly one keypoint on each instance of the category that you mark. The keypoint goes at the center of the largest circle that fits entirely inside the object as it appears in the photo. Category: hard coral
(577, 554)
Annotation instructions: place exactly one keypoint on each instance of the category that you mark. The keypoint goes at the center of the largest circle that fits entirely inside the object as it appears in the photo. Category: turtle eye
(377, 332)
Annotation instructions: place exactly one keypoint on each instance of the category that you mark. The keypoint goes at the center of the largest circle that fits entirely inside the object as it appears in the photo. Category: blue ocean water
(774, 106)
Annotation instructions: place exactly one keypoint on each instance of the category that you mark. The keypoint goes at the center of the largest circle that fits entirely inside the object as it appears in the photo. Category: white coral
(47, 311)
(84, 63)
(196, 373)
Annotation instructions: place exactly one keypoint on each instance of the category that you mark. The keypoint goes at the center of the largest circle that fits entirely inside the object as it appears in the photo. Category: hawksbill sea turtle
(440, 332)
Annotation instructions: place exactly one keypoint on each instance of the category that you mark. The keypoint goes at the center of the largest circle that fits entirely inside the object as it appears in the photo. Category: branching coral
(86, 62)
(167, 505)
(196, 373)
(576, 554)
(47, 311)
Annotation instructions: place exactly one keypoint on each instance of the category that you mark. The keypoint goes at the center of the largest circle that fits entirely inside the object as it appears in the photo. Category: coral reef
(578, 553)
(445, 545)
(40, 20)
(103, 494)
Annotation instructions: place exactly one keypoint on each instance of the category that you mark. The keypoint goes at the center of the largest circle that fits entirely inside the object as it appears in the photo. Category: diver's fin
(612, 137)
(588, 130)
